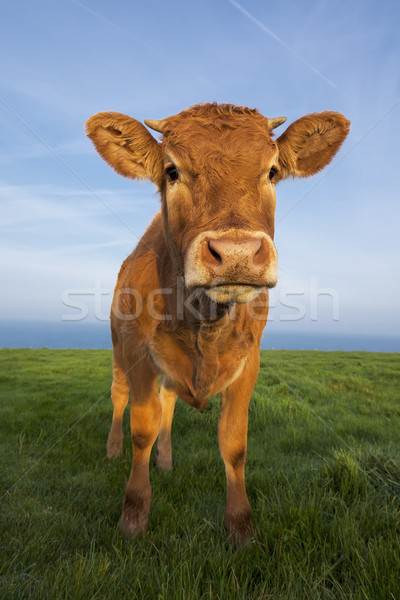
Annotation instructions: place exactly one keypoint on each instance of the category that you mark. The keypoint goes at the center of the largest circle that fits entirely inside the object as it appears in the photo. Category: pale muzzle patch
(244, 263)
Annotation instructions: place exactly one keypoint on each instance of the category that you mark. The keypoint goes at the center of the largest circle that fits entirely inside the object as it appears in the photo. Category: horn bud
(156, 125)
(275, 122)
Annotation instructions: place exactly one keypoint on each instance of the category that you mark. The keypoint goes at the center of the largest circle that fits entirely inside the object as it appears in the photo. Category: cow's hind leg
(145, 423)
(119, 397)
(232, 437)
(164, 448)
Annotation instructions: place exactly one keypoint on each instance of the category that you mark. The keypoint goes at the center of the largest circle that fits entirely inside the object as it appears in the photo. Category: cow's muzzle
(232, 265)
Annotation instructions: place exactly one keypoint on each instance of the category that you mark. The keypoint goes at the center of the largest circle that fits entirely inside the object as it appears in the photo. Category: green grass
(323, 479)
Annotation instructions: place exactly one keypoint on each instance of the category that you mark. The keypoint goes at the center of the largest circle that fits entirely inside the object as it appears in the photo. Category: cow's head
(216, 168)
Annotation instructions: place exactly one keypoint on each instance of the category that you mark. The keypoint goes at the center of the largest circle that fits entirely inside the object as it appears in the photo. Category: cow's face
(218, 197)
(216, 168)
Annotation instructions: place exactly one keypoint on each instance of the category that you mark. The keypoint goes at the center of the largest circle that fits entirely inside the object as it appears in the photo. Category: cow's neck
(203, 325)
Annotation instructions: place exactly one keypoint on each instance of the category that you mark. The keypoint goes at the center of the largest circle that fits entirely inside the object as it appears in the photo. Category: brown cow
(191, 300)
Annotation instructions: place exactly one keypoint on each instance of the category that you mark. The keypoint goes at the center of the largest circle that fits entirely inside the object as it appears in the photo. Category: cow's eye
(272, 173)
(172, 173)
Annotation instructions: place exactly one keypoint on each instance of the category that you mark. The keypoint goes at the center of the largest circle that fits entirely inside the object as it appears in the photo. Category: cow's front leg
(145, 423)
(164, 448)
(119, 397)
(232, 437)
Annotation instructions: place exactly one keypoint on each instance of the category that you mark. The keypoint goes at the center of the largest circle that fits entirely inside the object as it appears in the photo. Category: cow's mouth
(230, 293)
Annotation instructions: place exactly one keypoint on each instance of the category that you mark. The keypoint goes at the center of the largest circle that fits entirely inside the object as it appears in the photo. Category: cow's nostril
(260, 257)
(214, 253)
(236, 252)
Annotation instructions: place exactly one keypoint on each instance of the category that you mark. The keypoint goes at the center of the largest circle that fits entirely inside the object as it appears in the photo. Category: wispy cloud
(69, 168)
(37, 281)
(39, 89)
(149, 47)
(71, 147)
(342, 157)
(286, 46)
(34, 204)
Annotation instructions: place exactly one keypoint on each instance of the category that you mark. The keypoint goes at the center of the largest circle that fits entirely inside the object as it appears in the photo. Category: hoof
(239, 528)
(162, 462)
(132, 529)
(163, 465)
(114, 448)
(135, 515)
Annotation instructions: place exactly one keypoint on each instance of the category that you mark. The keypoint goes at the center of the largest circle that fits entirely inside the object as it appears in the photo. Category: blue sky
(68, 221)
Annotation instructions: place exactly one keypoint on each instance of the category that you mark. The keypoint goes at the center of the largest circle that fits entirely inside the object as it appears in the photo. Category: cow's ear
(126, 145)
(310, 143)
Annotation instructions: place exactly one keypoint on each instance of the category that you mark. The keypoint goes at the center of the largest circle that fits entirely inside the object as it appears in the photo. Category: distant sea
(80, 334)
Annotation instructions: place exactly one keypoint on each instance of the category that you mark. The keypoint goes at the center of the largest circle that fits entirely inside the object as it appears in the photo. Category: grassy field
(323, 479)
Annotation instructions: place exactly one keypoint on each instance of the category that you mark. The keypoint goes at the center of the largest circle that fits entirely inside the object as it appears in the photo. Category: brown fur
(201, 347)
